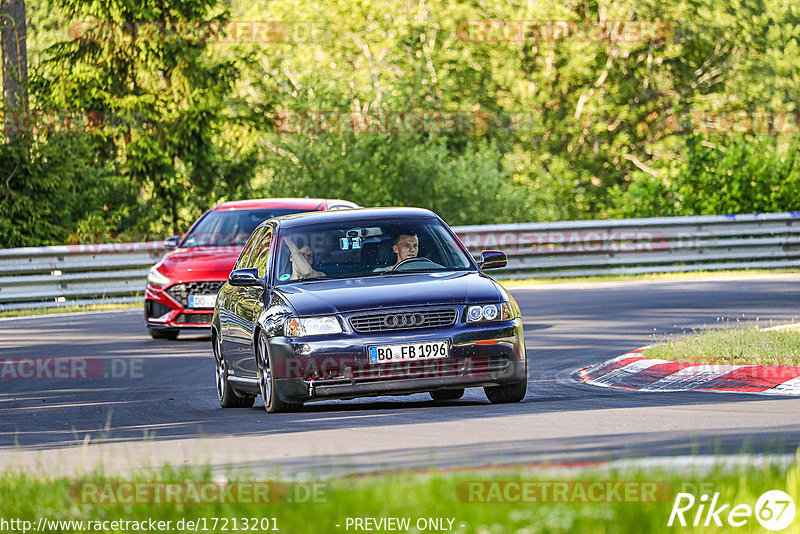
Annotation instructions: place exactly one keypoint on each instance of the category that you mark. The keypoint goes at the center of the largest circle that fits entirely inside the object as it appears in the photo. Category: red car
(182, 288)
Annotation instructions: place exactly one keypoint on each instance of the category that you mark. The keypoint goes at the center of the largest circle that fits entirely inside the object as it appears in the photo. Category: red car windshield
(227, 228)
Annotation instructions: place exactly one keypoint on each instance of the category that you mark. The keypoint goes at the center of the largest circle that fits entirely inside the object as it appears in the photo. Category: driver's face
(407, 247)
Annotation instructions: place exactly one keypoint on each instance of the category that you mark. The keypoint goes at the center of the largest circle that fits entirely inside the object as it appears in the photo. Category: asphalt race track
(157, 401)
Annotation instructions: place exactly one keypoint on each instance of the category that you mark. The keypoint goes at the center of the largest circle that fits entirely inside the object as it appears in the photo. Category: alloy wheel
(264, 372)
(221, 366)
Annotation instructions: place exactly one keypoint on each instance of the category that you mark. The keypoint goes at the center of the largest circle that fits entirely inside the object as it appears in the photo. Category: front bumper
(163, 312)
(321, 368)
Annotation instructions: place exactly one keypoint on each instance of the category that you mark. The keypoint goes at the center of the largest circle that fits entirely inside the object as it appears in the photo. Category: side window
(261, 253)
(243, 262)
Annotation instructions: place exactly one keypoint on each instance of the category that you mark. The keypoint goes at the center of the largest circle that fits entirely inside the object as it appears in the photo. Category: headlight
(312, 326)
(490, 312)
(156, 278)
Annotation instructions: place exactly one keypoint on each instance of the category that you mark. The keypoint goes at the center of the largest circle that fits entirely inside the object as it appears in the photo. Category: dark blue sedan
(365, 302)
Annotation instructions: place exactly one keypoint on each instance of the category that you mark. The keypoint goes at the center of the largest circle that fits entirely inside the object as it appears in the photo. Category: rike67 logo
(774, 510)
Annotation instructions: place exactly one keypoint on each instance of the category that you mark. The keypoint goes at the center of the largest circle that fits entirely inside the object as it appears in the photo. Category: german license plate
(202, 301)
(408, 352)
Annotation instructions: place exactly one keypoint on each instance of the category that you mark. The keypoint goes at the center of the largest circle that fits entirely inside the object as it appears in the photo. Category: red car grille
(194, 318)
(181, 292)
(155, 309)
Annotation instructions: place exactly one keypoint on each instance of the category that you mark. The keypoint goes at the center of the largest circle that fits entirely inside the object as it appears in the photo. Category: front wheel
(225, 393)
(509, 393)
(266, 381)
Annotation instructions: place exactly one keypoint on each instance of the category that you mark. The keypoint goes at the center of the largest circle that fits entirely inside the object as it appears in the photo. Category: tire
(447, 394)
(509, 393)
(172, 333)
(266, 381)
(228, 397)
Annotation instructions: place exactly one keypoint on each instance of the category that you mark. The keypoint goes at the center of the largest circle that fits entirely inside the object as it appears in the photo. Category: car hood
(198, 264)
(393, 291)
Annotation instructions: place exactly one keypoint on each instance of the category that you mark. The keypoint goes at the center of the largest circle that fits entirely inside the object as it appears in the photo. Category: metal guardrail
(638, 246)
(45, 277)
(116, 272)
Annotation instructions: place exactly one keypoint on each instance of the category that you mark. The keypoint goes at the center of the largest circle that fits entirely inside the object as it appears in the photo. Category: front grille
(194, 318)
(181, 292)
(155, 309)
(402, 320)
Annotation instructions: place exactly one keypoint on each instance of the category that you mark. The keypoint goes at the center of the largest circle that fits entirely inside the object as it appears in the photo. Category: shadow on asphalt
(178, 401)
(536, 453)
(174, 397)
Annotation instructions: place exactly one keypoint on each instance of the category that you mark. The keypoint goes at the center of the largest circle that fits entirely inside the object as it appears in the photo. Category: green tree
(719, 175)
(176, 94)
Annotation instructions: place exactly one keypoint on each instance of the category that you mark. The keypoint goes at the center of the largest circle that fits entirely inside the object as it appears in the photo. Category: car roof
(288, 203)
(301, 219)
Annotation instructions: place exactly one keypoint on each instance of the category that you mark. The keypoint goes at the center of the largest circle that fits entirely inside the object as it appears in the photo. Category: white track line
(688, 377)
(70, 314)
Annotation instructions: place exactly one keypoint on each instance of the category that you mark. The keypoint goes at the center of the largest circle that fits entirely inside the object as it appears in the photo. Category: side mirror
(493, 259)
(245, 278)
(171, 242)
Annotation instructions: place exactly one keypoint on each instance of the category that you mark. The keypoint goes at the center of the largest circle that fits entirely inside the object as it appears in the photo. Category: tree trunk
(174, 206)
(15, 64)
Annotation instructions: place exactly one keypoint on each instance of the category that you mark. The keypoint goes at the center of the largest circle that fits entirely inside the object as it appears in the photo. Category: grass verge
(69, 309)
(734, 346)
(458, 496)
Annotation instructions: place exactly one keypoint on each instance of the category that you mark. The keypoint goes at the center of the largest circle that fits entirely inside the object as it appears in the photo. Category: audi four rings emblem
(402, 320)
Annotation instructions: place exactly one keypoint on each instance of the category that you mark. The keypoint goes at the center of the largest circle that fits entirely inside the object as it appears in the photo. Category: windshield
(225, 228)
(358, 248)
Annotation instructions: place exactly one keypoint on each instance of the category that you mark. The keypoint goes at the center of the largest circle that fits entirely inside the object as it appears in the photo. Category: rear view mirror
(493, 259)
(171, 242)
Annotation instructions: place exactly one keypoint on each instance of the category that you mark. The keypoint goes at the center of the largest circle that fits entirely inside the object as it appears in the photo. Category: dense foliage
(566, 126)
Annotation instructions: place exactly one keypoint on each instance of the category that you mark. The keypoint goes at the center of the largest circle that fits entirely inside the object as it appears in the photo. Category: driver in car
(302, 260)
(406, 246)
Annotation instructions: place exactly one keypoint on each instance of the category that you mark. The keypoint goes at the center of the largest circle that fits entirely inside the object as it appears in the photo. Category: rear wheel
(447, 394)
(228, 398)
(266, 381)
(171, 333)
(509, 393)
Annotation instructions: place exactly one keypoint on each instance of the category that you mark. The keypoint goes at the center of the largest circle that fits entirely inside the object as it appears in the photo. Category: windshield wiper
(392, 271)
(310, 278)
